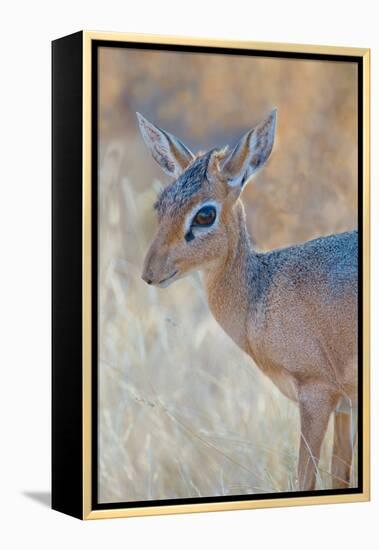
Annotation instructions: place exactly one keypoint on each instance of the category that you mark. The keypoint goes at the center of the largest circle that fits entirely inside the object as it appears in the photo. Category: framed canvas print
(210, 275)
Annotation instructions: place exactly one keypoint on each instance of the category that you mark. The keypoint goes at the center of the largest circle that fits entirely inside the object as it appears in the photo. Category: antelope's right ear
(169, 152)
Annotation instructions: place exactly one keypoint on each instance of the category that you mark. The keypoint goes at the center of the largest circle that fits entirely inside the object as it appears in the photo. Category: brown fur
(287, 309)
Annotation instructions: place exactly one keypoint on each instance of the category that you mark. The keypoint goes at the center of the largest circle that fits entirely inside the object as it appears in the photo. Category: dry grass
(183, 412)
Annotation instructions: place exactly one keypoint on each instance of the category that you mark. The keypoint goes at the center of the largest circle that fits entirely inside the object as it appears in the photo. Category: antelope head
(196, 212)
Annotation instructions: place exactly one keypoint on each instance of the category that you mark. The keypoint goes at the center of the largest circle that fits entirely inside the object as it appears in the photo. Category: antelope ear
(169, 152)
(251, 152)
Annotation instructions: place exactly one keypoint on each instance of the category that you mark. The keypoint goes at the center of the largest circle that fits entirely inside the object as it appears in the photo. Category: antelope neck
(226, 283)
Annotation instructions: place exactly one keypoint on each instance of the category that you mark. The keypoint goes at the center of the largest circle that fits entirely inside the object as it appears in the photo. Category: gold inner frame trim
(88, 513)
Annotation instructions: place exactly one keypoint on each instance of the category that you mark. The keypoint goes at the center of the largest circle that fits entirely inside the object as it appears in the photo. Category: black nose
(147, 278)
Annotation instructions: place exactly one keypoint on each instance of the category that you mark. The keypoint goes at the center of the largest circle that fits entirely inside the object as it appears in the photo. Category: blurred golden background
(183, 412)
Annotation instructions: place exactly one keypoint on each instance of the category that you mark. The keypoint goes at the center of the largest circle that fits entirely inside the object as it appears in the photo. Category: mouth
(167, 280)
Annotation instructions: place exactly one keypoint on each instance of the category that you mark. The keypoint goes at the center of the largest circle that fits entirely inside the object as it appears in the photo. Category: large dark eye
(205, 217)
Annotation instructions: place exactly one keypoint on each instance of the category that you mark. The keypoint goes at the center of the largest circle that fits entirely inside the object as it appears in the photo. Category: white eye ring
(198, 230)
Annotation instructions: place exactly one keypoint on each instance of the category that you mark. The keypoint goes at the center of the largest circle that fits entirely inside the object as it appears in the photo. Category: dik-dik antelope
(292, 310)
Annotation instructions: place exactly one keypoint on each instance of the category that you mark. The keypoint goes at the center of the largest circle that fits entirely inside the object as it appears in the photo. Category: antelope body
(292, 310)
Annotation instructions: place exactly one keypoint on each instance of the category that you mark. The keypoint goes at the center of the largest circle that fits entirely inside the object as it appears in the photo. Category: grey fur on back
(330, 263)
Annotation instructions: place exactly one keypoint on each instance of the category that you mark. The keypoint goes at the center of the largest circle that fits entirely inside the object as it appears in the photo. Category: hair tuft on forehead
(186, 186)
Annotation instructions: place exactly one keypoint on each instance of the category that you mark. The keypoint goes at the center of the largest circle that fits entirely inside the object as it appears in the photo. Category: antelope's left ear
(251, 152)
